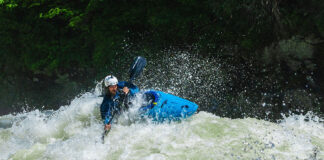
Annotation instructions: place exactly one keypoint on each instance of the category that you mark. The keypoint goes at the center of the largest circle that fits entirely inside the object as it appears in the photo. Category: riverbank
(20, 92)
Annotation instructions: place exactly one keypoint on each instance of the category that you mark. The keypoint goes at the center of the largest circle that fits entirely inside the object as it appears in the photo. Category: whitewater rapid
(74, 132)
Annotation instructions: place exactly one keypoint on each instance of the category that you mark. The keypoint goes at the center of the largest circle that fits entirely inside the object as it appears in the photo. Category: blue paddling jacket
(110, 105)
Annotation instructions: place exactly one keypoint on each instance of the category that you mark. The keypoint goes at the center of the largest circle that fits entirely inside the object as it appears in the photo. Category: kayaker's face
(112, 89)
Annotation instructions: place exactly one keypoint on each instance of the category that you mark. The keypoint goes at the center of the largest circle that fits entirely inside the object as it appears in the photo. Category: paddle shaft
(106, 131)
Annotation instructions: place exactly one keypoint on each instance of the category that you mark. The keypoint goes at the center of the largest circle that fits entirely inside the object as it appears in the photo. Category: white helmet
(110, 80)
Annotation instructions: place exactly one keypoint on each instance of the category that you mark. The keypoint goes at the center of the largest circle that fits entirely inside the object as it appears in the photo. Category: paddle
(136, 68)
(134, 71)
(106, 131)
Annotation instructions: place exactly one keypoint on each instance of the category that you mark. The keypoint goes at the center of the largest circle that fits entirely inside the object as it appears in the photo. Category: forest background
(52, 50)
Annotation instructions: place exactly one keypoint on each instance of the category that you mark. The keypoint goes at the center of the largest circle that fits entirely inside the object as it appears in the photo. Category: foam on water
(74, 132)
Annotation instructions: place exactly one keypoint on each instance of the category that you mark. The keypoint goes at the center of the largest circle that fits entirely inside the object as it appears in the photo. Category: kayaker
(116, 94)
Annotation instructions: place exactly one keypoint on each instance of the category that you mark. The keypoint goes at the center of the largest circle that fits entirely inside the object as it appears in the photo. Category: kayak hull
(167, 107)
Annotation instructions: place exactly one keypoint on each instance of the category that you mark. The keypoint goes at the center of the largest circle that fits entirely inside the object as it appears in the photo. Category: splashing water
(188, 76)
(74, 132)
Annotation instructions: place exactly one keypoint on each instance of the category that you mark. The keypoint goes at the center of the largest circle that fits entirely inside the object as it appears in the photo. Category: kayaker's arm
(106, 112)
(128, 88)
(133, 90)
(108, 118)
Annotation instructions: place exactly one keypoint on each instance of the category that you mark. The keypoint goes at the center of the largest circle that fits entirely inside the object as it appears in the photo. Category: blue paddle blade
(137, 67)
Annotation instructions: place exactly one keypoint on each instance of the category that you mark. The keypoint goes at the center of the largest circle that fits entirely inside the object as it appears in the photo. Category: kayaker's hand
(107, 127)
(126, 90)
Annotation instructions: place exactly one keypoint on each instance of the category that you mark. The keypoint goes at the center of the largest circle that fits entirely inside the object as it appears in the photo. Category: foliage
(53, 37)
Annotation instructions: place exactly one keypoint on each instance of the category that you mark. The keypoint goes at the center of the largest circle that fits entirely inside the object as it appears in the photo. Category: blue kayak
(166, 107)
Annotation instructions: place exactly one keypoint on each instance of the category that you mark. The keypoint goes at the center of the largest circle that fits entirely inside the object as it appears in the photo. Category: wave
(74, 132)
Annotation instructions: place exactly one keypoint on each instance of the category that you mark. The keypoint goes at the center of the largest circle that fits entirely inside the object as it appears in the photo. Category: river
(74, 132)
(230, 123)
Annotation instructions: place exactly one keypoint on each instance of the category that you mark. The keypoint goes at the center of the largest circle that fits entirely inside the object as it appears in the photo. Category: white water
(74, 132)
